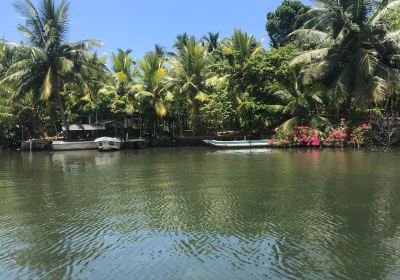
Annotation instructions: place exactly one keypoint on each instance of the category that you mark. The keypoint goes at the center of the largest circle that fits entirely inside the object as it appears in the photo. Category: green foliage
(49, 61)
(218, 111)
(190, 70)
(211, 41)
(153, 90)
(282, 22)
(298, 106)
(356, 53)
(392, 19)
(335, 59)
(251, 115)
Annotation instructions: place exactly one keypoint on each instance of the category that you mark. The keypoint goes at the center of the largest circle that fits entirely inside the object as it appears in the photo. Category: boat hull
(105, 146)
(238, 144)
(109, 144)
(71, 146)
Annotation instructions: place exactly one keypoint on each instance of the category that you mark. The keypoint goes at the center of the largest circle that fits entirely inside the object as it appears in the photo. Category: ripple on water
(180, 214)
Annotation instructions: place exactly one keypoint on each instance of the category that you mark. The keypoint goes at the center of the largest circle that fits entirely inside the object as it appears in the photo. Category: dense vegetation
(339, 59)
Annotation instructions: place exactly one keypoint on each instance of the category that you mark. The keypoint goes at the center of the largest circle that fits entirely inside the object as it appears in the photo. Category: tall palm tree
(240, 47)
(237, 51)
(12, 106)
(51, 60)
(82, 94)
(357, 51)
(152, 78)
(122, 65)
(121, 86)
(190, 70)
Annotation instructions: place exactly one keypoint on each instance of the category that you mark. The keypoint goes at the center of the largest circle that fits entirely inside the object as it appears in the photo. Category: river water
(199, 213)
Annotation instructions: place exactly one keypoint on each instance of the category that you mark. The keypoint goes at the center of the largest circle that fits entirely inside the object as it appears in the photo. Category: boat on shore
(109, 144)
(238, 144)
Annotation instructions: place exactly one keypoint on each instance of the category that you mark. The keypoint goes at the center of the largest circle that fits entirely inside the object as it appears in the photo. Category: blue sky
(139, 24)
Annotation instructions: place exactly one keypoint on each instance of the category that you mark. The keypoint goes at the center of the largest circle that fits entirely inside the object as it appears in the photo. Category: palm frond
(310, 56)
(288, 125)
(47, 86)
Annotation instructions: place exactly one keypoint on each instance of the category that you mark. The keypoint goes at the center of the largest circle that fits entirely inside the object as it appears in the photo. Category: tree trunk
(196, 126)
(61, 107)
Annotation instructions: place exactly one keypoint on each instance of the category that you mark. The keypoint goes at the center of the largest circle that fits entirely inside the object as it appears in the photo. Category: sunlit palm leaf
(47, 86)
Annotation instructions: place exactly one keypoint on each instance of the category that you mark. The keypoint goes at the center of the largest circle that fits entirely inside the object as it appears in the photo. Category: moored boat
(109, 144)
(73, 145)
(238, 144)
(83, 135)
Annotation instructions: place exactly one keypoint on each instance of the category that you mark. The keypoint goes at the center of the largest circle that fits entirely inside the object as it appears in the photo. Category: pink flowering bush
(299, 136)
(338, 136)
(306, 136)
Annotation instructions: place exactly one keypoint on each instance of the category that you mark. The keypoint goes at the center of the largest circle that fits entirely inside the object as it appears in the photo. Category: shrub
(299, 136)
(357, 137)
(337, 136)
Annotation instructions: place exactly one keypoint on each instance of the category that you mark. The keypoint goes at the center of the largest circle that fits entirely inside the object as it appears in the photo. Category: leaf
(66, 65)
(201, 96)
(143, 95)
(288, 125)
(313, 35)
(310, 56)
(121, 77)
(47, 86)
(275, 108)
(161, 109)
(130, 109)
(169, 96)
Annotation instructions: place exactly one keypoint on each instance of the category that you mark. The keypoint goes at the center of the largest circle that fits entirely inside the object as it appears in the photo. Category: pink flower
(342, 120)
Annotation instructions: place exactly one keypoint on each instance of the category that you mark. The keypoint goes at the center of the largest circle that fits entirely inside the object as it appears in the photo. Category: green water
(198, 213)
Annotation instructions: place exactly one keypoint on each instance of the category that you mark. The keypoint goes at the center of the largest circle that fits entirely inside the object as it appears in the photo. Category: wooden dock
(138, 143)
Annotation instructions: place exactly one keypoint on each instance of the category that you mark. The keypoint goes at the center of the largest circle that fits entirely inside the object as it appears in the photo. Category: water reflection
(200, 214)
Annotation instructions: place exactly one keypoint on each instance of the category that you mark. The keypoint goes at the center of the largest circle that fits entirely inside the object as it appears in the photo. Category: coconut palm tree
(298, 107)
(190, 70)
(51, 60)
(237, 51)
(82, 94)
(240, 47)
(120, 87)
(357, 51)
(122, 65)
(153, 85)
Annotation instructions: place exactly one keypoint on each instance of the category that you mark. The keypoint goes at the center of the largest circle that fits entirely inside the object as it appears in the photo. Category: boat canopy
(83, 127)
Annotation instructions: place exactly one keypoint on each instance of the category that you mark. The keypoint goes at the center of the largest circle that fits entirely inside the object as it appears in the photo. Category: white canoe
(109, 144)
(73, 145)
(238, 144)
